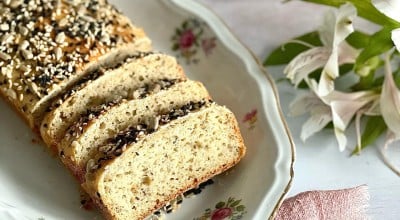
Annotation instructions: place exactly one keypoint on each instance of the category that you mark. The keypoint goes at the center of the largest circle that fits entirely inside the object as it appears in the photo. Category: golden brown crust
(47, 46)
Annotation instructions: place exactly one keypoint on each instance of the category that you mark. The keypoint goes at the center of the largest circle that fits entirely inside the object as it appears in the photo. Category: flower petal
(345, 105)
(327, 28)
(364, 96)
(344, 23)
(396, 37)
(390, 101)
(320, 117)
(342, 28)
(341, 138)
(347, 53)
(336, 27)
(390, 8)
(305, 63)
(304, 104)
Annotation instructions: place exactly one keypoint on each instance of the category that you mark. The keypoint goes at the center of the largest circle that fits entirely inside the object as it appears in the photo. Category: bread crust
(42, 53)
(94, 180)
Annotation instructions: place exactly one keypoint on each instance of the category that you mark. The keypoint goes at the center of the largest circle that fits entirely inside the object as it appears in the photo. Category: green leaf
(220, 205)
(240, 208)
(374, 128)
(185, 24)
(367, 73)
(358, 39)
(175, 47)
(396, 76)
(379, 43)
(178, 31)
(285, 53)
(365, 9)
(345, 68)
(235, 203)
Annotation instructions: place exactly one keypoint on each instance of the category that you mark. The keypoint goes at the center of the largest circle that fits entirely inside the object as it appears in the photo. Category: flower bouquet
(368, 63)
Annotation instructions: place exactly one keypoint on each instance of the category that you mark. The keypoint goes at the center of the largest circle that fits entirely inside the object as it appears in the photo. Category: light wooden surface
(262, 25)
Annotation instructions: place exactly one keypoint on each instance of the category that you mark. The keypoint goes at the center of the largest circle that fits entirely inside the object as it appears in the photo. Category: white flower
(390, 101)
(336, 51)
(390, 8)
(390, 96)
(336, 107)
(320, 113)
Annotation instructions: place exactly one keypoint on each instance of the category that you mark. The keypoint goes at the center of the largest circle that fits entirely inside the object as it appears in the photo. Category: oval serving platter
(36, 186)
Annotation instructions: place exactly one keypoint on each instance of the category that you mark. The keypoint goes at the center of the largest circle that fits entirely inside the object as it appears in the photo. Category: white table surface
(262, 25)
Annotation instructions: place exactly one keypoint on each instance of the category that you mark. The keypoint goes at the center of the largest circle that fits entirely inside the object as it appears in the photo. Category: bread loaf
(162, 165)
(83, 139)
(124, 120)
(46, 46)
(107, 85)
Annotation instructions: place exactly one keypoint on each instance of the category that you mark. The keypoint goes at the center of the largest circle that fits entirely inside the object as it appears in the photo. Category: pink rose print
(221, 214)
(251, 118)
(190, 38)
(208, 45)
(225, 210)
(187, 39)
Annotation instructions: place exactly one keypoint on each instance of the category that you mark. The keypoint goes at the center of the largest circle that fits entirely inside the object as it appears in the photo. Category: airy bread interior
(77, 149)
(166, 163)
(117, 82)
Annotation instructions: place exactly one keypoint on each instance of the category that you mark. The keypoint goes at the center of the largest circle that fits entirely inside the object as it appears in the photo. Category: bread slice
(162, 165)
(83, 138)
(48, 45)
(106, 85)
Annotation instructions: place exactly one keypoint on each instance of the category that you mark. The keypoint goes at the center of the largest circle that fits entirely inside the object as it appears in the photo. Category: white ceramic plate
(36, 186)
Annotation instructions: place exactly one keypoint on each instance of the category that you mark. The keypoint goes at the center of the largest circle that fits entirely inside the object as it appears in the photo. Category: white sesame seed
(63, 22)
(4, 27)
(15, 3)
(24, 45)
(11, 93)
(6, 2)
(4, 56)
(60, 38)
(21, 97)
(35, 88)
(27, 54)
(31, 25)
(24, 68)
(6, 71)
(6, 39)
(58, 53)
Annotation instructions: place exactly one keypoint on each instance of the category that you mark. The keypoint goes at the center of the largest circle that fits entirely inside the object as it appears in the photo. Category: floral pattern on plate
(229, 210)
(250, 119)
(190, 37)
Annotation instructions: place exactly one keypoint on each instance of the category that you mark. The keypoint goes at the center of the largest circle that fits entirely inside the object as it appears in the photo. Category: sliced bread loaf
(105, 85)
(162, 165)
(82, 140)
(48, 45)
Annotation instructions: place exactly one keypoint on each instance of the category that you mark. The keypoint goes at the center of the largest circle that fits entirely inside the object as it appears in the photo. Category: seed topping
(115, 146)
(56, 38)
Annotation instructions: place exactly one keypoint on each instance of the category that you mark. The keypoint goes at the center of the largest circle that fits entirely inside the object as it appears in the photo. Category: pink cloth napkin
(344, 204)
